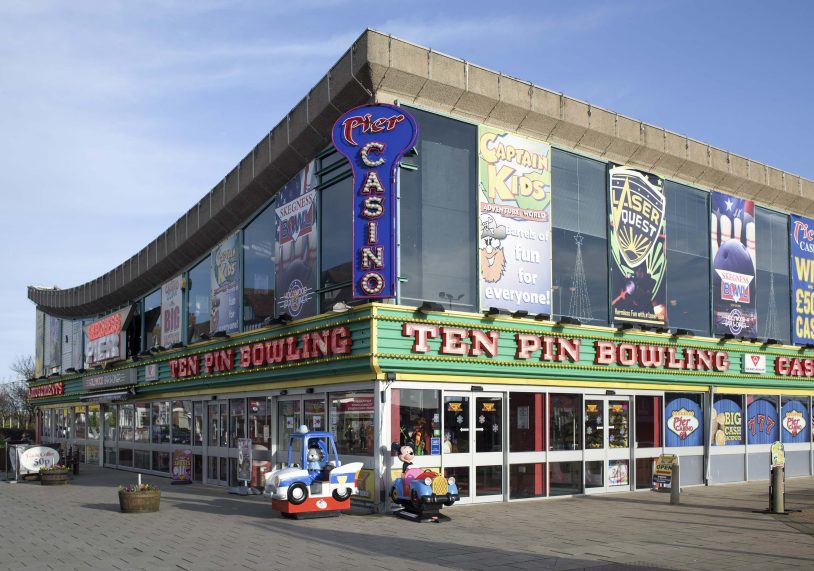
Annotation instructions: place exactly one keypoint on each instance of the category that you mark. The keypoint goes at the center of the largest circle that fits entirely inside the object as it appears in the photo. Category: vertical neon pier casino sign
(374, 138)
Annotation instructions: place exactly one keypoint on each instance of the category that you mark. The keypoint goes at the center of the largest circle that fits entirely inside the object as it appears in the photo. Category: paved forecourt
(79, 526)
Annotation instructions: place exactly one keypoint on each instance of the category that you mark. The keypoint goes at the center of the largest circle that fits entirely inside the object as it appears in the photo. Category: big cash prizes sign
(515, 222)
(637, 243)
(374, 138)
(802, 278)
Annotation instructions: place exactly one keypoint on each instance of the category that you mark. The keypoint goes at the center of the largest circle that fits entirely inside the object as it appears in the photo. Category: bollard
(675, 486)
(778, 501)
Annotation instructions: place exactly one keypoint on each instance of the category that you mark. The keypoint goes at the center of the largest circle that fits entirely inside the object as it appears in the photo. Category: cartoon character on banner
(405, 453)
(492, 257)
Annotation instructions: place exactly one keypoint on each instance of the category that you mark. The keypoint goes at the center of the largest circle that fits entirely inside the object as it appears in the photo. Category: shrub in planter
(139, 498)
(55, 475)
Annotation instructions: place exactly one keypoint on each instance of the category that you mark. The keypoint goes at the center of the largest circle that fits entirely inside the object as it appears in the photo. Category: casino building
(540, 294)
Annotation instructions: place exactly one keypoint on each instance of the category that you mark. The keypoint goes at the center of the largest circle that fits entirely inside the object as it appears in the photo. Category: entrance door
(607, 444)
(217, 442)
(473, 446)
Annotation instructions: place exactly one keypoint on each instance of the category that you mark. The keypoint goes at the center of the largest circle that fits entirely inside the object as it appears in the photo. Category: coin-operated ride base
(311, 508)
(428, 513)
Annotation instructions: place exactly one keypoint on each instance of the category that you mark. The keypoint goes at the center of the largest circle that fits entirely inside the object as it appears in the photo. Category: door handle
(479, 430)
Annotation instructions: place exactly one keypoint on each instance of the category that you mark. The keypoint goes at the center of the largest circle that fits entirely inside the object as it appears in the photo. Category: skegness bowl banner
(374, 138)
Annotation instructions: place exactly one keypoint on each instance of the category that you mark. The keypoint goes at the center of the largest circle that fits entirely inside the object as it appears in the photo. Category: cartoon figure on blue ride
(420, 490)
(405, 453)
(314, 460)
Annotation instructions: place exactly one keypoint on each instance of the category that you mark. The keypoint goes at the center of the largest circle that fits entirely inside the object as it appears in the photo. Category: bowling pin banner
(734, 266)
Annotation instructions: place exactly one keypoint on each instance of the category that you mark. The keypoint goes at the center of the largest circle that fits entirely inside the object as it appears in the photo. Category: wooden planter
(55, 478)
(139, 502)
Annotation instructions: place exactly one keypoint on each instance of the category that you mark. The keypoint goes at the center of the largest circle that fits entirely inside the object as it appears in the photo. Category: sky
(117, 116)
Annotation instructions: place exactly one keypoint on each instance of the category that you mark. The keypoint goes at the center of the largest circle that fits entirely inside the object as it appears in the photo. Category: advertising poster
(761, 421)
(225, 286)
(726, 422)
(514, 251)
(182, 465)
(365, 485)
(297, 231)
(103, 338)
(733, 264)
(244, 459)
(171, 301)
(683, 417)
(793, 421)
(638, 247)
(802, 278)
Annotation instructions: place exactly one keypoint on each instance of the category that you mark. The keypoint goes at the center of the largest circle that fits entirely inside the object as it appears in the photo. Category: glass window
(259, 422)
(416, 420)
(579, 218)
(198, 300)
(141, 459)
(772, 280)
(684, 418)
(142, 422)
(161, 422)
(438, 226)
(152, 319)
(565, 421)
(488, 480)
(288, 421)
(314, 410)
(648, 421)
(794, 422)
(126, 423)
(161, 462)
(125, 457)
(336, 233)
(727, 421)
(352, 422)
(688, 269)
(565, 477)
(761, 419)
(133, 333)
(456, 425)
(110, 424)
(526, 423)
(198, 409)
(80, 422)
(181, 422)
(94, 427)
(237, 418)
(258, 269)
(527, 481)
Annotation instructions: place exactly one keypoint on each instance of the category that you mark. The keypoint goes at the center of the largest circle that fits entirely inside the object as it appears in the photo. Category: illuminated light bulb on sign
(374, 138)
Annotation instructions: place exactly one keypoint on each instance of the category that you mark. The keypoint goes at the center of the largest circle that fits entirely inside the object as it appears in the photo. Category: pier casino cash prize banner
(802, 278)
(638, 247)
(515, 222)
(733, 266)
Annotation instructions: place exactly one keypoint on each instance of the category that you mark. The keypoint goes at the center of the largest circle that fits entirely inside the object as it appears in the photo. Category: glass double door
(473, 444)
(292, 413)
(607, 443)
(217, 444)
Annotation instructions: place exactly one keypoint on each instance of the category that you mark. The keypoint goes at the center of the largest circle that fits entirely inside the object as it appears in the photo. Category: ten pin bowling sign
(374, 138)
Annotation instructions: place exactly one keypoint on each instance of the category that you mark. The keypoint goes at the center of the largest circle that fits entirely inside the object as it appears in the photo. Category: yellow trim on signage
(548, 382)
(374, 343)
(762, 391)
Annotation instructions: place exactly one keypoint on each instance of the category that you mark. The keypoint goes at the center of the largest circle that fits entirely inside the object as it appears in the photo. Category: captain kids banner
(733, 263)
(515, 222)
(802, 278)
(637, 243)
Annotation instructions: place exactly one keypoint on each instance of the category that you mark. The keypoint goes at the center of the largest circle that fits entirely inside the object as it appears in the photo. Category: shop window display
(416, 420)
(456, 425)
(161, 422)
(181, 422)
(352, 422)
(314, 411)
(565, 421)
(618, 424)
(527, 422)
(259, 421)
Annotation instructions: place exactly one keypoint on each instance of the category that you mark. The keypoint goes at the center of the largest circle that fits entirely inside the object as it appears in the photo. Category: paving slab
(79, 526)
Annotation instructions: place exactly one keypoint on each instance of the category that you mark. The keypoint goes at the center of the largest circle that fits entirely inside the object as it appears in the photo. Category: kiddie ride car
(314, 481)
(422, 493)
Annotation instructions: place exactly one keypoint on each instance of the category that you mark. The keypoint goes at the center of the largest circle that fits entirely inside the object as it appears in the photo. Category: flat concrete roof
(383, 68)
